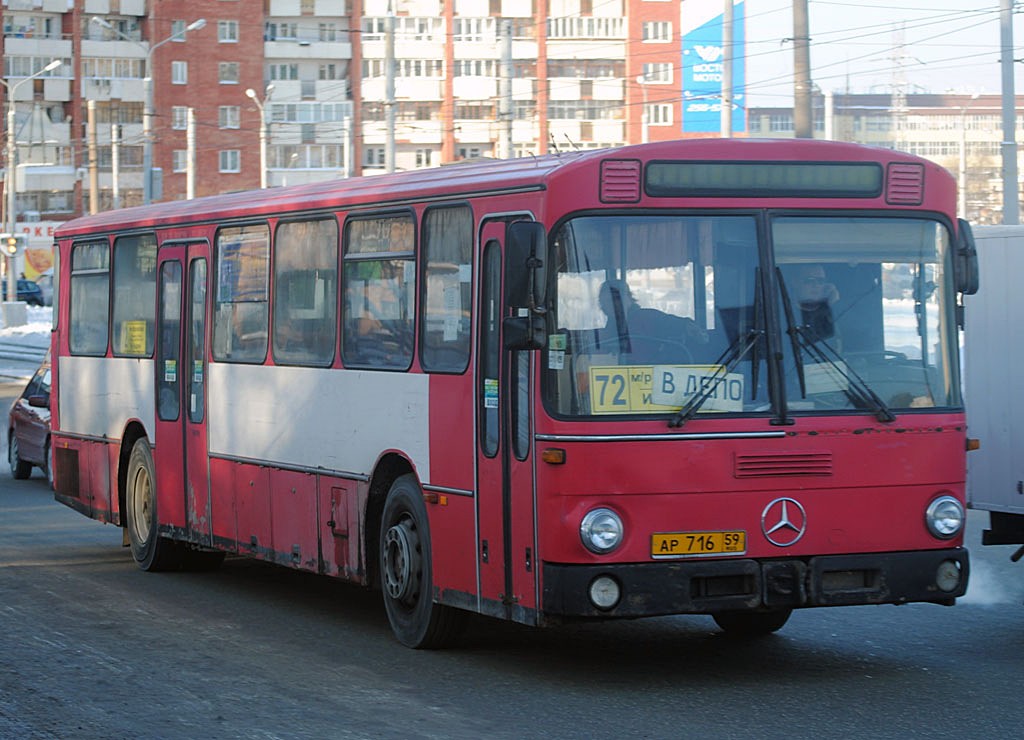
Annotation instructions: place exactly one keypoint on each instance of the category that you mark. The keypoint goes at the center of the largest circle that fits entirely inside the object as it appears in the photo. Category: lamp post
(250, 93)
(641, 80)
(12, 285)
(962, 174)
(147, 112)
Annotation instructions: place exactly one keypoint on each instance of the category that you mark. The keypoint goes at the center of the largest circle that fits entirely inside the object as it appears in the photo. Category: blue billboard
(703, 67)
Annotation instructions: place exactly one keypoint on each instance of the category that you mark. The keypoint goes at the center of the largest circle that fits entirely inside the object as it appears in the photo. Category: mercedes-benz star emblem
(783, 522)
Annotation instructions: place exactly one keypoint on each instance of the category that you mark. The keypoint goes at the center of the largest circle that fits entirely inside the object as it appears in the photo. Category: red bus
(694, 377)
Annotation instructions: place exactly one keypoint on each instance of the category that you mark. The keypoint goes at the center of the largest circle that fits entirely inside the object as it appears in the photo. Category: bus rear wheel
(405, 572)
(150, 551)
(752, 624)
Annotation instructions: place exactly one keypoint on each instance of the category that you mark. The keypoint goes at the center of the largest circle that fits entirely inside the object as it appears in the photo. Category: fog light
(944, 517)
(604, 592)
(947, 577)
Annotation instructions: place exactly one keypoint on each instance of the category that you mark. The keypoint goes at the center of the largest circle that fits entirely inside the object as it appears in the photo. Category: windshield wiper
(857, 389)
(728, 360)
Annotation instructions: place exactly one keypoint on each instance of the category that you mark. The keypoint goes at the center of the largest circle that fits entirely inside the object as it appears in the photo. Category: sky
(948, 46)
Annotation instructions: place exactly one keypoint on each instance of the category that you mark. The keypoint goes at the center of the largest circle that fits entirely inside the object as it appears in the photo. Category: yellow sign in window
(133, 337)
(654, 389)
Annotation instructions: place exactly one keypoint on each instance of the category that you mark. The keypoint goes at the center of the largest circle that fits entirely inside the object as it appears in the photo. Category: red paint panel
(452, 528)
(451, 430)
(339, 528)
(222, 492)
(293, 510)
(252, 509)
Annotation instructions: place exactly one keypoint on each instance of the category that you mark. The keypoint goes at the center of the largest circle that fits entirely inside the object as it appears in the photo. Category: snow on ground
(35, 333)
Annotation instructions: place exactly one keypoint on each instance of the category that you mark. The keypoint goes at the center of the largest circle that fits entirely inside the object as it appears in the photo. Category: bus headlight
(601, 531)
(944, 517)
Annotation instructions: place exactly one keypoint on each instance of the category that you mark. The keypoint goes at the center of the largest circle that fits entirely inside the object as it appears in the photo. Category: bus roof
(464, 179)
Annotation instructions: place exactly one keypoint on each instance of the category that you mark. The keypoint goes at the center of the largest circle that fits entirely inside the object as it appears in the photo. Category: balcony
(307, 49)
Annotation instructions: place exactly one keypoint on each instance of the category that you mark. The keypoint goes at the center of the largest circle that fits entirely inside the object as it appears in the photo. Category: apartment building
(473, 78)
(961, 132)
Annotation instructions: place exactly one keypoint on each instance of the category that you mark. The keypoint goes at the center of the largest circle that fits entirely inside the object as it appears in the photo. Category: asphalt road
(90, 647)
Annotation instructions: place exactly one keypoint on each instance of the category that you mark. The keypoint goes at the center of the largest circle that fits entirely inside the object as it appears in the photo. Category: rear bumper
(706, 586)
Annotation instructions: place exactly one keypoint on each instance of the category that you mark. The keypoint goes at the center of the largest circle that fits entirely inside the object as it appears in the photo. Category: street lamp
(147, 81)
(250, 93)
(12, 285)
(962, 174)
(641, 80)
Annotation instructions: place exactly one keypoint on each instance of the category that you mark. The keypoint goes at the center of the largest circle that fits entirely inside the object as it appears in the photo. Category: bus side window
(134, 310)
(447, 295)
(241, 312)
(90, 298)
(379, 292)
(305, 292)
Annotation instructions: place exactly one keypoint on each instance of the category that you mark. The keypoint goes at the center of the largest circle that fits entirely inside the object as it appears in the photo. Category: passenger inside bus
(816, 296)
(648, 335)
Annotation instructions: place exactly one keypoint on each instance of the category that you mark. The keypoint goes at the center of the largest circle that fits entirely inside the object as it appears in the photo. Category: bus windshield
(650, 311)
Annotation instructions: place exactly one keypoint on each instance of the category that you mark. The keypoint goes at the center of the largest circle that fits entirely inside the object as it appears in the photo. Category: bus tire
(150, 551)
(405, 571)
(20, 469)
(752, 624)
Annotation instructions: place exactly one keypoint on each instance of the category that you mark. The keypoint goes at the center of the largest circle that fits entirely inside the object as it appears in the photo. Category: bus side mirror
(526, 279)
(965, 260)
(525, 265)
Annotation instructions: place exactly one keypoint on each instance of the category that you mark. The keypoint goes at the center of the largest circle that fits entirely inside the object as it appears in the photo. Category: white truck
(993, 360)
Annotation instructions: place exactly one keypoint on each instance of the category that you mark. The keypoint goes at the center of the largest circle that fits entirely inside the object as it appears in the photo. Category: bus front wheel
(752, 624)
(150, 551)
(405, 571)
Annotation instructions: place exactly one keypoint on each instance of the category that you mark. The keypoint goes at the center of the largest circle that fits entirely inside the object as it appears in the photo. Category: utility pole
(727, 25)
(1011, 196)
(190, 154)
(389, 91)
(505, 114)
(803, 122)
(94, 169)
(115, 164)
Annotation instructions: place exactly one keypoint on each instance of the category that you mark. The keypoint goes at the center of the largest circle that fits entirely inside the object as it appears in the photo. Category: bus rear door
(181, 435)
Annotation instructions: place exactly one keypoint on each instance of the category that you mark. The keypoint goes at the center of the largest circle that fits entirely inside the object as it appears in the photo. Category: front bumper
(707, 586)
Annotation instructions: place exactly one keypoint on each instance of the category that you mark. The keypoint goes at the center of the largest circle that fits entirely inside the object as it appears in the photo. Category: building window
(179, 117)
(229, 116)
(328, 72)
(659, 114)
(423, 157)
(283, 71)
(230, 160)
(227, 73)
(178, 30)
(179, 73)
(227, 32)
(327, 32)
(373, 156)
(179, 160)
(657, 31)
(658, 73)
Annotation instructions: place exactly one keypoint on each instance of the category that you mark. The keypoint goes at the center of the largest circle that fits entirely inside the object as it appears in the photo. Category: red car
(28, 428)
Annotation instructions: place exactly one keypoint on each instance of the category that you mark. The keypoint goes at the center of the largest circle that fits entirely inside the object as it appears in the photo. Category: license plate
(697, 544)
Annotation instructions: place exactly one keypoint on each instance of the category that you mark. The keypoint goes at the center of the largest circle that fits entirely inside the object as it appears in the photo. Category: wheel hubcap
(142, 500)
(402, 561)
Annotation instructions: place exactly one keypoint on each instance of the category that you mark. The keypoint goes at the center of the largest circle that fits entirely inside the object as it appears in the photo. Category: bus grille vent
(759, 465)
(905, 184)
(620, 181)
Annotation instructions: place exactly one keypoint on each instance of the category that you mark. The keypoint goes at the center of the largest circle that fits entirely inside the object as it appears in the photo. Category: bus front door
(181, 437)
(506, 547)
